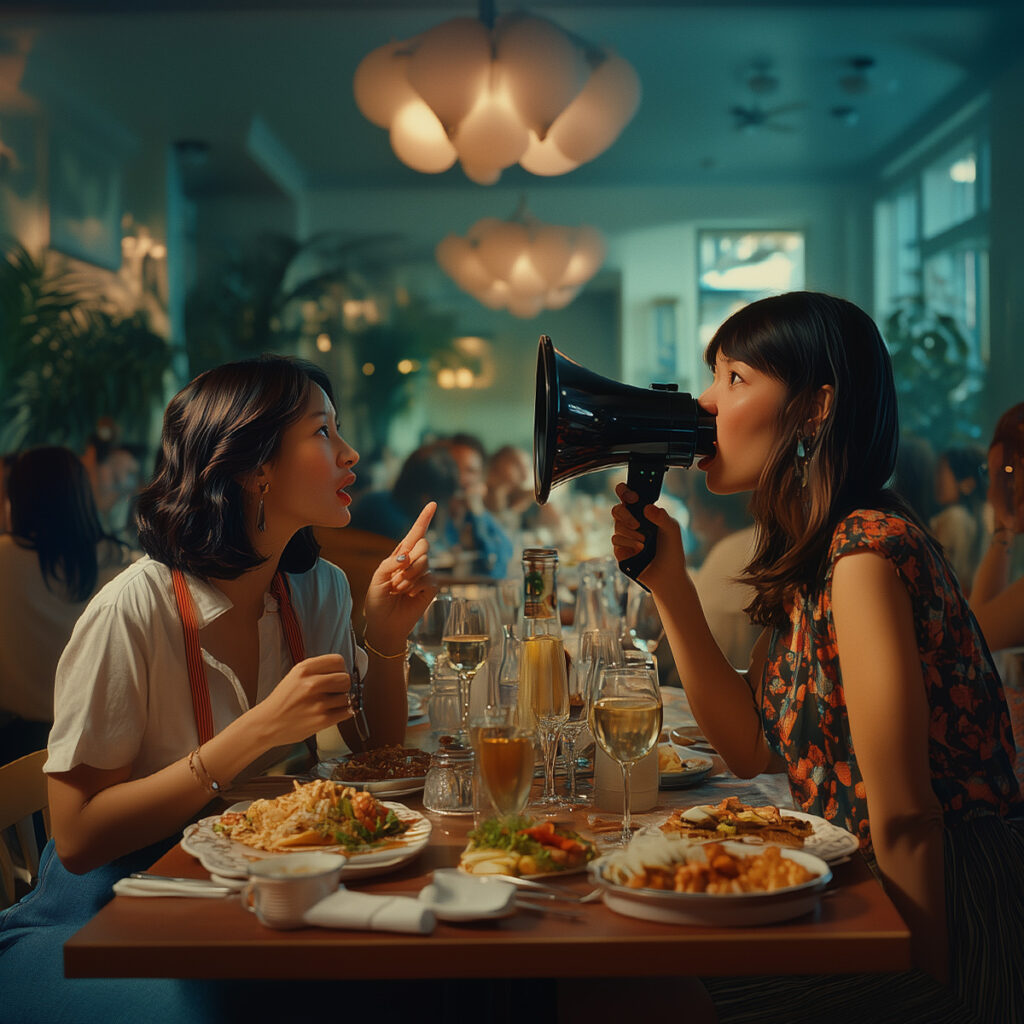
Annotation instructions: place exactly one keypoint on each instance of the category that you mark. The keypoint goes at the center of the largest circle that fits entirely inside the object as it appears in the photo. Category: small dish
(696, 768)
(454, 895)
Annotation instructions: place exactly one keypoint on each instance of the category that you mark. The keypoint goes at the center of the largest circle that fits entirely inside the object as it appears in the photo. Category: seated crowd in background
(54, 557)
(959, 525)
(997, 596)
(467, 537)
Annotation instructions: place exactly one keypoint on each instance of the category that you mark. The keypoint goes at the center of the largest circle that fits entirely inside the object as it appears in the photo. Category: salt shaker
(449, 784)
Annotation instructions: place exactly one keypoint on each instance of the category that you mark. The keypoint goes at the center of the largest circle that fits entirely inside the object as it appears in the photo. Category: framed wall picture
(85, 198)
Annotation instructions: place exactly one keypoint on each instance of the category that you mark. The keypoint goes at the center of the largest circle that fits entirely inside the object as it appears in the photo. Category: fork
(538, 890)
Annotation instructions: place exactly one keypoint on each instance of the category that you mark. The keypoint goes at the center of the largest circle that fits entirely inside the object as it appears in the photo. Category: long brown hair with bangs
(807, 341)
(224, 425)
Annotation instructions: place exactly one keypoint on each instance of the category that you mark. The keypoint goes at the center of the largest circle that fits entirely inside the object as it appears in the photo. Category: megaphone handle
(644, 479)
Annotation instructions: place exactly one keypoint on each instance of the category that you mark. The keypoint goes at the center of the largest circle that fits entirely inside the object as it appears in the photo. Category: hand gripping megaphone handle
(643, 479)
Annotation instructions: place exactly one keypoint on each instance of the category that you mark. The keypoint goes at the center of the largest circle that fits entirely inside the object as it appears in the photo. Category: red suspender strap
(292, 629)
(193, 651)
(194, 658)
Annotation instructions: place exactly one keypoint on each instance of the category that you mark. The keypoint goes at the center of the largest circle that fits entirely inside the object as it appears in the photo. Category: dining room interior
(406, 195)
(209, 177)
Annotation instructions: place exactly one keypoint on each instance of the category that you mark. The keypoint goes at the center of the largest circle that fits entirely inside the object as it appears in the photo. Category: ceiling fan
(755, 118)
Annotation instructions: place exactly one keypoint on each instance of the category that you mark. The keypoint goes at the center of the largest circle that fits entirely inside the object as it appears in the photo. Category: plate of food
(525, 849)
(319, 815)
(739, 822)
(677, 771)
(385, 771)
(668, 878)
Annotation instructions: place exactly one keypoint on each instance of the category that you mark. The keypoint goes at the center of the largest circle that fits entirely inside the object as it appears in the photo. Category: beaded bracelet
(202, 776)
(380, 654)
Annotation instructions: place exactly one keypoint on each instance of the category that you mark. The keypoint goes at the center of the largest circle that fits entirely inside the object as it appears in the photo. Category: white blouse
(122, 691)
(35, 623)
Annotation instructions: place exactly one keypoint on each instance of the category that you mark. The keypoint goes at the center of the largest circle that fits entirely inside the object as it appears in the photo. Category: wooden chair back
(22, 793)
(357, 553)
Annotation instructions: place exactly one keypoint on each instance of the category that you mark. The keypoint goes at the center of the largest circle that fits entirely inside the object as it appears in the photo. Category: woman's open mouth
(708, 459)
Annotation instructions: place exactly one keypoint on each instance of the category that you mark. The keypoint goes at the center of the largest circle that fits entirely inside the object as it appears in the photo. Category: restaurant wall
(501, 410)
(659, 264)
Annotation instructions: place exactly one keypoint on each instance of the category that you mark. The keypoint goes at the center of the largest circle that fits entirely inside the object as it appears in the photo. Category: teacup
(281, 889)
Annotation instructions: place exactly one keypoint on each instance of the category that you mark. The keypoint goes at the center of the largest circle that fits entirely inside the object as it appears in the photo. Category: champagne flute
(467, 640)
(543, 701)
(627, 723)
(572, 727)
(506, 754)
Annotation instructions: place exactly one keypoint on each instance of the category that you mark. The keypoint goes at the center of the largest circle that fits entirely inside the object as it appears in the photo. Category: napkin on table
(162, 887)
(371, 912)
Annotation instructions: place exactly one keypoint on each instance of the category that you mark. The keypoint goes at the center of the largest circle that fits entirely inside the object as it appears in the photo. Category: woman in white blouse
(231, 638)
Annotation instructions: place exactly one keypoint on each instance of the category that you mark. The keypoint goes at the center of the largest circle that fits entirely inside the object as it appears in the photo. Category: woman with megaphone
(871, 685)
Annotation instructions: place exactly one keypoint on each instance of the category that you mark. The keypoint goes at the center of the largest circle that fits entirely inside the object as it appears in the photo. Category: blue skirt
(32, 936)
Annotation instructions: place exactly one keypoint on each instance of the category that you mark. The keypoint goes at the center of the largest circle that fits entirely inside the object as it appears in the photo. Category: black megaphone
(584, 422)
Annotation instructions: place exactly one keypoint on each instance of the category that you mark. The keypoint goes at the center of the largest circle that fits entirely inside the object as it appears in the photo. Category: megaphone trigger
(644, 479)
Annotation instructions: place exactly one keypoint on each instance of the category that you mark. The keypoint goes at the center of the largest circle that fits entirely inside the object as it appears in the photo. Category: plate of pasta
(320, 815)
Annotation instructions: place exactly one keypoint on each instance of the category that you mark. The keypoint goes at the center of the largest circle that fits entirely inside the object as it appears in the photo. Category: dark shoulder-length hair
(221, 427)
(807, 340)
(53, 512)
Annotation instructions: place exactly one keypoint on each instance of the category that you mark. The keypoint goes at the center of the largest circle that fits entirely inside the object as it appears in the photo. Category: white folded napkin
(371, 912)
(159, 887)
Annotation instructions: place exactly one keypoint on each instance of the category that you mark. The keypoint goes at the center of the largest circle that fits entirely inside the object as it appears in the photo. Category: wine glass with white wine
(627, 723)
(467, 640)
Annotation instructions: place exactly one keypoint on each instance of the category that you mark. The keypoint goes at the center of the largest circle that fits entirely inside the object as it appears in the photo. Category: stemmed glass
(427, 637)
(627, 723)
(508, 597)
(467, 640)
(597, 647)
(643, 620)
(544, 700)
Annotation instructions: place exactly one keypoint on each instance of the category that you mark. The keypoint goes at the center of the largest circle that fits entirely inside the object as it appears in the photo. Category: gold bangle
(202, 776)
(380, 654)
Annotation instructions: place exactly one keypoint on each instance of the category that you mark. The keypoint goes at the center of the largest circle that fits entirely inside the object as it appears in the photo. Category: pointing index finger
(418, 530)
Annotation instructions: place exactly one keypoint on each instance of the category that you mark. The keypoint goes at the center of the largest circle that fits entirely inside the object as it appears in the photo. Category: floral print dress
(803, 707)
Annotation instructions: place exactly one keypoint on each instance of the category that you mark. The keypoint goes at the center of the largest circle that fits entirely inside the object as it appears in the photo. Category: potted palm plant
(67, 360)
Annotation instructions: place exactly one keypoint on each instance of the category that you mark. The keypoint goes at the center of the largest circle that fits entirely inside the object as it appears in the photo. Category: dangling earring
(261, 516)
(803, 457)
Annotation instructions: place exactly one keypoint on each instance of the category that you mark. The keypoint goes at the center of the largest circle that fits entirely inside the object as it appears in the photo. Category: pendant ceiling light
(522, 264)
(523, 91)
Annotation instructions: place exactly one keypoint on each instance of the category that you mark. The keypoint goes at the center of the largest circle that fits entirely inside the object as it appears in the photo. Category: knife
(200, 883)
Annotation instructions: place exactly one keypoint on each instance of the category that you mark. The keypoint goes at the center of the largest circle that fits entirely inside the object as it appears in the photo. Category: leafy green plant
(66, 360)
(937, 387)
(280, 293)
(253, 300)
(408, 340)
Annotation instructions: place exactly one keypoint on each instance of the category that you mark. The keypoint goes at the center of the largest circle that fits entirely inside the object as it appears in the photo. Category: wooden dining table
(855, 927)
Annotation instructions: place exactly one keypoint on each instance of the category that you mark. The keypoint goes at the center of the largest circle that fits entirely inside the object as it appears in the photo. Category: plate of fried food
(526, 849)
(668, 878)
(384, 771)
(320, 815)
(736, 821)
(678, 771)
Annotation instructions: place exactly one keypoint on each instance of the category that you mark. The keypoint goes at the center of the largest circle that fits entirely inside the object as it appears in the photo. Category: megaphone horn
(584, 422)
